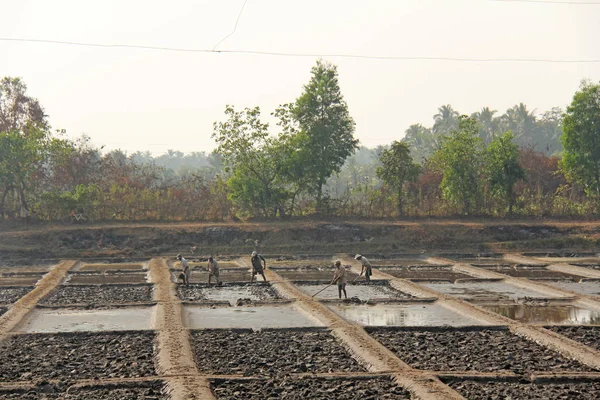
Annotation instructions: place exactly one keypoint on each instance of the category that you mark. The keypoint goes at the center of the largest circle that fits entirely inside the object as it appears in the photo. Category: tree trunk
(400, 202)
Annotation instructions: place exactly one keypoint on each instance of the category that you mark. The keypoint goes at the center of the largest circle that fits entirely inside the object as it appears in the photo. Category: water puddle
(531, 272)
(590, 288)
(276, 316)
(231, 294)
(401, 315)
(363, 292)
(113, 267)
(105, 279)
(550, 314)
(425, 272)
(64, 320)
(484, 290)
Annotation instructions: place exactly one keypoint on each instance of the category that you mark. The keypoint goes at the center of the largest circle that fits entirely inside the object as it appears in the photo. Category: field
(499, 310)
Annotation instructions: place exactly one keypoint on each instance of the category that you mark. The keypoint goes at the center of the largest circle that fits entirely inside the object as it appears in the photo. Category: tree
(325, 128)
(18, 110)
(488, 124)
(421, 141)
(503, 167)
(396, 168)
(460, 160)
(581, 139)
(445, 121)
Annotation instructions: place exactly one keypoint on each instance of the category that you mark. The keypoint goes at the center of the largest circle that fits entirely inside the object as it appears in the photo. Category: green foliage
(397, 167)
(460, 159)
(503, 167)
(581, 139)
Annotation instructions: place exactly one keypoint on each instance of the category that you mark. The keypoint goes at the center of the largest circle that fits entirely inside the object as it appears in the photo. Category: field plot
(150, 390)
(112, 267)
(230, 293)
(590, 287)
(226, 275)
(321, 274)
(484, 290)
(445, 273)
(114, 278)
(375, 290)
(9, 295)
(588, 335)
(530, 272)
(98, 295)
(565, 314)
(29, 279)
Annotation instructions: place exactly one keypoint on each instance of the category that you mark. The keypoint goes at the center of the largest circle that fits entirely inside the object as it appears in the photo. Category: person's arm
(264, 262)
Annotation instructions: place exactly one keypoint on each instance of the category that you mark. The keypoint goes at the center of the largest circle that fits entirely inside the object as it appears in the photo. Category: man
(213, 270)
(187, 272)
(366, 267)
(257, 267)
(339, 277)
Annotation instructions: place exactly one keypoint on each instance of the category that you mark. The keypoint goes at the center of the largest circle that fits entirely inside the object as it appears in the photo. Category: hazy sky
(137, 99)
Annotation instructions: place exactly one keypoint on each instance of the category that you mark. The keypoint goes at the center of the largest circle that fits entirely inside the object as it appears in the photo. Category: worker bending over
(366, 267)
(257, 267)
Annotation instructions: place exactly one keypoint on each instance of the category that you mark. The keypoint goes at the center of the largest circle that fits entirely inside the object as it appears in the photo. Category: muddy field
(227, 292)
(270, 352)
(97, 295)
(588, 335)
(9, 295)
(309, 388)
(473, 349)
(150, 390)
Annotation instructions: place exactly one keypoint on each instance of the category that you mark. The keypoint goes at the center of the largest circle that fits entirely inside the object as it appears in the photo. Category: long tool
(355, 279)
(321, 290)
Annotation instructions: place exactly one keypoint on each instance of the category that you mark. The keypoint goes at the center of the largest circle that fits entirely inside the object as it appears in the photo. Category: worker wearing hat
(366, 267)
(187, 272)
(257, 267)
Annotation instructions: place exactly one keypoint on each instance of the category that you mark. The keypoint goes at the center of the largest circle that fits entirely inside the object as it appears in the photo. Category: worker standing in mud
(339, 277)
(213, 270)
(187, 272)
(257, 267)
(366, 267)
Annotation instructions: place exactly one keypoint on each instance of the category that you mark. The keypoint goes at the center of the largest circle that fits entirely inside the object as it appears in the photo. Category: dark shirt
(256, 262)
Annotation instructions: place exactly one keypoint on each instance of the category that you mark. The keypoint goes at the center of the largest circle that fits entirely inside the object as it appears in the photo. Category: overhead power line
(313, 55)
(235, 27)
(594, 3)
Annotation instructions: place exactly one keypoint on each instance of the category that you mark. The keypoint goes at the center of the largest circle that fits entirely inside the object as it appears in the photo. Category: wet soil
(434, 273)
(9, 295)
(95, 295)
(588, 335)
(591, 265)
(472, 349)
(112, 267)
(20, 280)
(397, 262)
(228, 276)
(546, 314)
(531, 272)
(309, 388)
(360, 289)
(3, 310)
(266, 316)
(150, 390)
(401, 315)
(105, 279)
(480, 260)
(498, 389)
(270, 352)
(484, 290)
(227, 292)
(85, 355)
(311, 274)
(587, 287)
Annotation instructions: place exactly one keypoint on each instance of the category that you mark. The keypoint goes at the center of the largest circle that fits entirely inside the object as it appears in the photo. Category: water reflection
(567, 315)
(591, 288)
(484, 290)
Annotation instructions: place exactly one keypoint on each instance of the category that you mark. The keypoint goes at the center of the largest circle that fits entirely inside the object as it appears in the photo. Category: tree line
(310, 163)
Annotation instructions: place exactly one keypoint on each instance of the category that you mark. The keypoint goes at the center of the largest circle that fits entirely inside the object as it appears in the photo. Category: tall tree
(397, 167)
(503, 167)
(325, 127)
(421, 141)
(581, 139)
(17, 109)
(460, 161)
(488, 124)
(446, 120)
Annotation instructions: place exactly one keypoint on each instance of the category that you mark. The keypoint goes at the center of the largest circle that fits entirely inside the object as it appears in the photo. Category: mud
(397, 262)
(484, 290)
(270, 352)
(86, 355)
(20, 280)
(512, 389)
(229, 293)
(112, 267)
(97, 295)
(106, 279)
(62, 320)
(401, 315)
(149, 390)
(433, 273)
(311, 274)
(546, 314)
(472, 349)
(228, 276)
(3, 310)
(267, 316)
(309, 388)
(590, 265)
(587, 287)
(520, 271)
(588, 335)
(9, 295)
(363, 291)
(480, 260)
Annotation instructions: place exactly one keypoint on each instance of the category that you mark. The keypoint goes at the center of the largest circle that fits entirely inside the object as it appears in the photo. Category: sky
(150, 100)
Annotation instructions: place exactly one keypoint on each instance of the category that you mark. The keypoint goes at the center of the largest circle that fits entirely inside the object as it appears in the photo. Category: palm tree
(421, 140)
(522, 123)
(488, 124)
(446, 120)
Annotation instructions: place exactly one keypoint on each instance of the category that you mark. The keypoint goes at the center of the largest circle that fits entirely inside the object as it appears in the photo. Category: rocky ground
(151, 390)
(84, 355)
(425, 273)
(99, 294)
(270, 352)
(588, 335)
(482, 350)
(493, 390)
(9, 295)
(106, 279)
(201, 291)
(309, 388)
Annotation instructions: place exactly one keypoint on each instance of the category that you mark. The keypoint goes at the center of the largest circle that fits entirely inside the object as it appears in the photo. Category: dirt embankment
(306, 237)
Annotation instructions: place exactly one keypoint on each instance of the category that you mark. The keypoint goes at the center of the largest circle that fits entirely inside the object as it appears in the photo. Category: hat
(338, 263)
(357, 257)
(178, 256)
(254, 254)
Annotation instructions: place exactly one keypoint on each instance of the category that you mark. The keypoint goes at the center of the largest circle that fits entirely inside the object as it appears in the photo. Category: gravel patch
(9, 295)
(309, 388)
(151, 390)
(203, 292)
(471, 349)
(490, 389)
(588, 335)
(270, 352)
(84, 355)
(99, 294)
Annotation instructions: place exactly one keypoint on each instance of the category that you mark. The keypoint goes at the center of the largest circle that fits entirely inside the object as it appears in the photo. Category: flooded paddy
(65, 320)
(530, 272)
(414, 314)
(264, 316)
(376, 290)
(445, 273)
(230, 293)
(546, 314)
(484, 290)
(270, 352)
(587, 287)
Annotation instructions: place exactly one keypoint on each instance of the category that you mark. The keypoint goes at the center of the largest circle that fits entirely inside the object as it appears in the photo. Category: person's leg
(252, 274)
(209, 276)
(368, 274)
(263, 275)
(344, 289)
(340, 291)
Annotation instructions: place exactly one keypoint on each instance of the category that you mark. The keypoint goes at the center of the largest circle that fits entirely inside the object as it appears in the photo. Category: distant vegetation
(520, 162)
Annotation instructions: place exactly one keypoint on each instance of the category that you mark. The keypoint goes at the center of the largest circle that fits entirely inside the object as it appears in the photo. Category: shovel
(321, 290)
